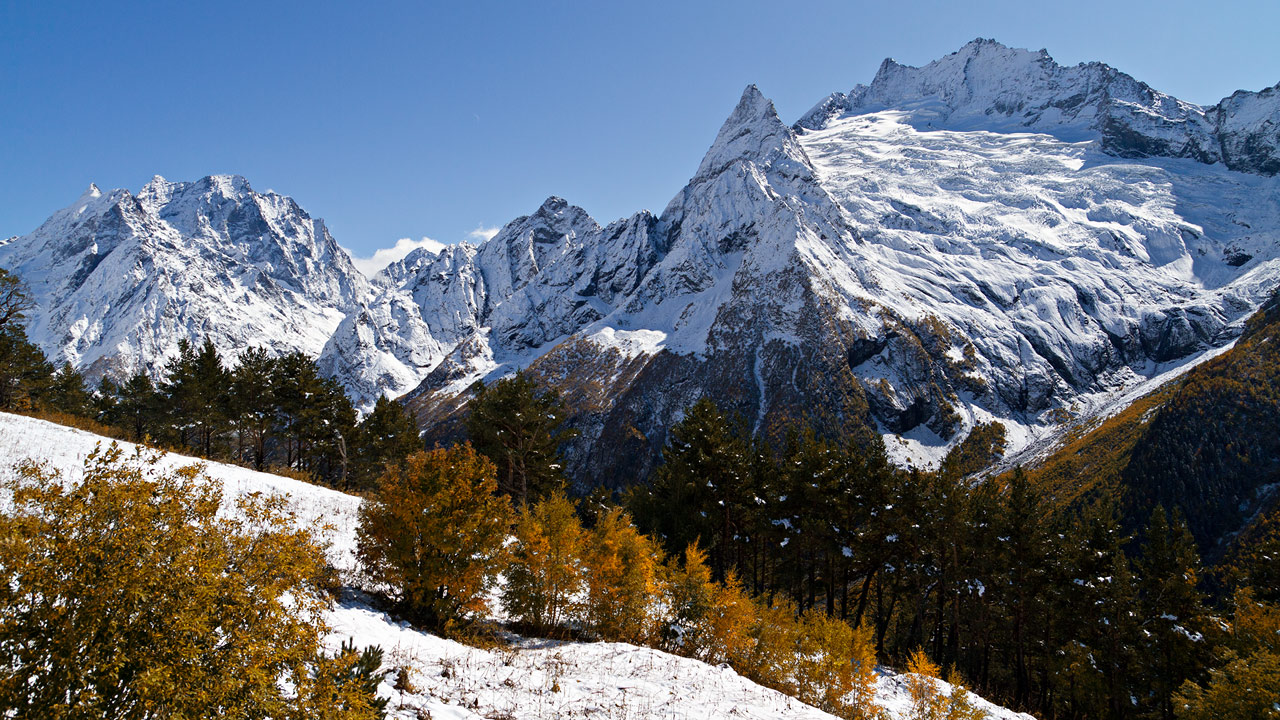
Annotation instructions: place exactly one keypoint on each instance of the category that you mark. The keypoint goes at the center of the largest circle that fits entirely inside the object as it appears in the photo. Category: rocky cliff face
(870, 270)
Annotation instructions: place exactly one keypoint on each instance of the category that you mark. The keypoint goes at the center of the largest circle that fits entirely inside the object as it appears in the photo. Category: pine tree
(66, 392)
(138, 407)
(252, 405)
(24, 372)
(341, 686)
(520, 427)
(1172, 609)
(195, 388)
(1024, 553)
(1102, 611)
(701, 486)
(389, 434)
(294, 382)
(433, 532)
(314, 418)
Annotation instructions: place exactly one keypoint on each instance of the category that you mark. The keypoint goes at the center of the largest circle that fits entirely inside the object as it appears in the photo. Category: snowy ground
(532, 679)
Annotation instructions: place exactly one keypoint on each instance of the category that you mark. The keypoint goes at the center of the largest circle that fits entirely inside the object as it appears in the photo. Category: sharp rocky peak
(555, 218)
(752, 131)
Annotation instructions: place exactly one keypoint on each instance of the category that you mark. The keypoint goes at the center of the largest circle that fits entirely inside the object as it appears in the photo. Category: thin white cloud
(482, 233)
(370, 265)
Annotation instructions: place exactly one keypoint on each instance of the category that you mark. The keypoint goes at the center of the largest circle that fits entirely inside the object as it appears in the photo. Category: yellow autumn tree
(733, 613)
(835, 667)
(622, 580)
(1246, 683)
(776, 636)
(927, 699)
(432, 534)
(959, 705)
(709, 621)
(546, 574)
(128, 594)
(688, 591)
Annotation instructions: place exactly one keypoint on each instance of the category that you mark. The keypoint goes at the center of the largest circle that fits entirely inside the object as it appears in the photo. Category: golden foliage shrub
(546, 573)
(129, 595)
(927, 700)
(432, 534)
(709, 621)
(622, 567)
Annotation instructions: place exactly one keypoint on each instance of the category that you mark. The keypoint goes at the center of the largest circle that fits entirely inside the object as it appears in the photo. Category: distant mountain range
(990, 236)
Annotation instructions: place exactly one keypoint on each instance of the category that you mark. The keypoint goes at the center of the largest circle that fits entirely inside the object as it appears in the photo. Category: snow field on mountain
(532, 679)
(991, 235)
(1038, 251)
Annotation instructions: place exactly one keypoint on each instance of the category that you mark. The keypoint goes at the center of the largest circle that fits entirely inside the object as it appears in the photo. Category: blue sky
(414, 119)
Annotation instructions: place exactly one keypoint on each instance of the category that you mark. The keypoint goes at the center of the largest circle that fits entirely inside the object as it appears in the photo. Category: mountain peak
(91, 193)
(752, 129)
(753, 100)
(552, 205)
(228, 185)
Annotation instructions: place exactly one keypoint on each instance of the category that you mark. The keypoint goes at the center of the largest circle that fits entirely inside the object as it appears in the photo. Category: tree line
(437, 533)
(261, 411)
(264, 412)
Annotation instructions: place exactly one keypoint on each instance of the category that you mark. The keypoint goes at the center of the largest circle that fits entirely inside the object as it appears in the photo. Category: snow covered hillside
(534, 679)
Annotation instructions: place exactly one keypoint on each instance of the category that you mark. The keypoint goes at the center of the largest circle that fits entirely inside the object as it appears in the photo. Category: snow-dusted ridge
(592, 680)
(120, 278)
(962, 242)
(989, 236)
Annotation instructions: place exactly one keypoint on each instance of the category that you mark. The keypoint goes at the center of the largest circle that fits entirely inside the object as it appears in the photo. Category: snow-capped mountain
(952, 244)
(986, 86)
(992, 235)
(119, 278)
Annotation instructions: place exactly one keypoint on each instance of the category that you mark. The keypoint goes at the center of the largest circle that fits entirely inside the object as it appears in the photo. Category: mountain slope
(118, 279)
(986, 86)
(1204, 443)
(990, 236)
